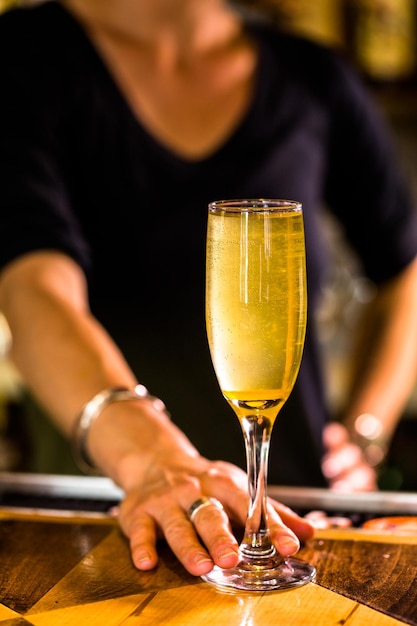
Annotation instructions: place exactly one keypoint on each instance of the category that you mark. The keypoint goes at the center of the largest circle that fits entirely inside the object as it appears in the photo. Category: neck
(172, 31)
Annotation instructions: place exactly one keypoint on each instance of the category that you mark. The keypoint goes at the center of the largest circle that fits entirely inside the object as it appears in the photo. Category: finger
(342, 460)
(213, 526)
(302, 527)
(182, 537)
(141, 531)
(210, 522)
(230, 485)
(282, 537)
(334, 435)
(142, 539)
(360, 478)
(165, 515)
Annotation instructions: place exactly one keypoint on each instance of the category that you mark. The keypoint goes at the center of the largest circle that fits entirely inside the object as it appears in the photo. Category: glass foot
(287, 573)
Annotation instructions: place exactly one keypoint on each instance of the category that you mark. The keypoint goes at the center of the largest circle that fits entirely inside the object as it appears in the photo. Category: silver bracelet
(369, 436)
(93, 409)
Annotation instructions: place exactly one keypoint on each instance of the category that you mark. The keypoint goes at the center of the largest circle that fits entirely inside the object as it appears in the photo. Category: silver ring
(200, 503)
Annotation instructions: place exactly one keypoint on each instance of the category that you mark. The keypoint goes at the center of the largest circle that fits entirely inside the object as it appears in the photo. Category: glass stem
(256, 548)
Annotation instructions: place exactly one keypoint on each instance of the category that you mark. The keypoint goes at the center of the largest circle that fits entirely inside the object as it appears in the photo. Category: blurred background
(379, 37)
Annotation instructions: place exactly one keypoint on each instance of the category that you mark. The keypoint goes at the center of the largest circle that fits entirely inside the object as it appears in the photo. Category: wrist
(93, 409)
(368, 433)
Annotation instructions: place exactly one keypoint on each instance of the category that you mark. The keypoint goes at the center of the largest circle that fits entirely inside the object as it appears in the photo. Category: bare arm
(384, 376)
(44, 299)
(66, 357)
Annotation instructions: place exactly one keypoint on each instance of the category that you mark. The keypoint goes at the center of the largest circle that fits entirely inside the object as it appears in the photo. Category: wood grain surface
(378, 574)
(64, 572)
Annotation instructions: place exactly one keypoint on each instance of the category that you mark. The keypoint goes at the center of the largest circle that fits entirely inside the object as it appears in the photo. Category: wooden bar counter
(65, 568)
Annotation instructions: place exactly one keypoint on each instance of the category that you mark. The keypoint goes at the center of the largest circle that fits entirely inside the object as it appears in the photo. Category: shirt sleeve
(366, 185)
(35, 199)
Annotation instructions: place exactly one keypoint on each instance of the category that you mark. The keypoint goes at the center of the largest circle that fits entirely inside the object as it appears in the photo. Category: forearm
(386, 365)
(66, 357)
(62, 352)
(385, 370)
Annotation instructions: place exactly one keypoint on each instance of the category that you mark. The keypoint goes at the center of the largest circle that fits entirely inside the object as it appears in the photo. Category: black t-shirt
(79, 173)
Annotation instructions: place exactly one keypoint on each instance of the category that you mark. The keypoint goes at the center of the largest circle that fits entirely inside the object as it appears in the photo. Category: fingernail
(330, 468)
(229, 557)
(144, 561)
(228, 554)
(287, 544)
(201, 559)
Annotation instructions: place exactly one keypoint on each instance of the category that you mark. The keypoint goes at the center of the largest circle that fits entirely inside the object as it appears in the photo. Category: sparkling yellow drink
(256, 305)
(256, 317)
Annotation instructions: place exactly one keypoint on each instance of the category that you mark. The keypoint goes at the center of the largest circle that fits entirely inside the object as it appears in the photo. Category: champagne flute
(256, 319)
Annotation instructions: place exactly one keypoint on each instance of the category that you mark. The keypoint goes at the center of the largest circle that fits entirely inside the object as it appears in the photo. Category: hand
(208, 541)
(344, 464)
(161, 474)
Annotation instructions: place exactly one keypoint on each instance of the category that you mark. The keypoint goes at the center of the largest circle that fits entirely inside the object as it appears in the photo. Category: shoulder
(31, 26)
(42, 49)
(322, 70)
(39, 39)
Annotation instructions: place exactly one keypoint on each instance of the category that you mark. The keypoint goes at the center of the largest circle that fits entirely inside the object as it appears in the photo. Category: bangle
(91, 411)
(369, 437)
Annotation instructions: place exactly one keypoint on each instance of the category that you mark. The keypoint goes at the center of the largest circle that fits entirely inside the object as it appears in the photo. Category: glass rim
(255, 204)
